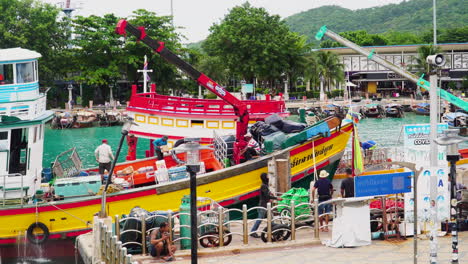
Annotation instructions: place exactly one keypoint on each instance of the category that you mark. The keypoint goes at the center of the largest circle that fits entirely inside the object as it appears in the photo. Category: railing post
(221, 226)
(269, 222)
(123, 254)
(102, 237)
(316, 220)
(143, 235)
(169, 223)
(293, 220)
(128, 259)
(113, 251)
(117, 226)
(118, 248)
(245, 226)
(108, 245)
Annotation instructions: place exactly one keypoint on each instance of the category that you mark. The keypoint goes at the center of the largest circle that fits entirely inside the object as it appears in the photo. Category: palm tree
(330, 67)
(421, 65)
(312, 69)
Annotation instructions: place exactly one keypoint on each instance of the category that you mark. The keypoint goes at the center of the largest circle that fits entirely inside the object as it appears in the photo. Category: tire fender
(32, 238)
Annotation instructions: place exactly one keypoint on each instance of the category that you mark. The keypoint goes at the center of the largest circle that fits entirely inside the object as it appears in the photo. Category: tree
(98, 53)
(329, 66)
(252, 43)
(421, 65)
(36, 26)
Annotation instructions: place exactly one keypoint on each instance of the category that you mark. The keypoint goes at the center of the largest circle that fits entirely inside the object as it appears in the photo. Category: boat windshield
(24, 72)
(6, 74)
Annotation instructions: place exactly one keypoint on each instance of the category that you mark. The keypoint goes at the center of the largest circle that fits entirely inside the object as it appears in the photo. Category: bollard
(221, 226)
(102, 237)
(117, 227)
(169, 223)
(108, 245)
(118, 248)
(316, 220)
(269, 222)
(245, 225)
(123, 254)
(128, 259)
(112, 249)
(143, 235)
(293, 220)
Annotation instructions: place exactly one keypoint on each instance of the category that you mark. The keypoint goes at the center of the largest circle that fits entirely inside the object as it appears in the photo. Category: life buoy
(37, 239)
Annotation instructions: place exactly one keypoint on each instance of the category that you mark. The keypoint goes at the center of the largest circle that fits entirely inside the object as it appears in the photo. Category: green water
(385, 132)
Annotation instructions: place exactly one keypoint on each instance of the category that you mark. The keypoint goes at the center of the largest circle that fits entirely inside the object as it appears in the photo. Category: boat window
(35, 135)
(24, 72)
(196, 123)
(4, 135)
(6, 74)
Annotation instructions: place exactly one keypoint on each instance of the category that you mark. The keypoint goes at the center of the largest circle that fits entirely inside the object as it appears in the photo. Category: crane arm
(370, 55)
(239, 107)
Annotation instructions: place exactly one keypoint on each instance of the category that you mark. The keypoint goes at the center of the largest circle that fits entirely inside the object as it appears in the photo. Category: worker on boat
(158, 143)
(104, 157)
(252, 149)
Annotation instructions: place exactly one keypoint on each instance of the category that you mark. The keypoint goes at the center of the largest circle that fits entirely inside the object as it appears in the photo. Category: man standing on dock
(158, 143)
(325, 191)
(347, 185)
(104, 157)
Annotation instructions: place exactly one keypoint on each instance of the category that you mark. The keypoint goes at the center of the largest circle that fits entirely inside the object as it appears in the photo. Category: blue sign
(382, 184)
(247, 88)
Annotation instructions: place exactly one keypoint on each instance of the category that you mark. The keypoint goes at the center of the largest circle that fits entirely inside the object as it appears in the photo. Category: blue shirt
(324, 187)
(159, 142)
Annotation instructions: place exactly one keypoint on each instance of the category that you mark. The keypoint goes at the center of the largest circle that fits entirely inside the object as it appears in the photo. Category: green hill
(411, 16)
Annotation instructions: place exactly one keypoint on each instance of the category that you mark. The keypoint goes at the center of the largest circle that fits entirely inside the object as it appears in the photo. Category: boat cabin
(22, 119)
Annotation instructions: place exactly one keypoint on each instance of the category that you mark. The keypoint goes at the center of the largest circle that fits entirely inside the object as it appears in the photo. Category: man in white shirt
(104, 156)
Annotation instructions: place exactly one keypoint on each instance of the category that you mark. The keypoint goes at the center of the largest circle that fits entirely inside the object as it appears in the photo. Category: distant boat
(373, 111)
(394, 110)
(85, 118)
(422, 109)
(455, 120)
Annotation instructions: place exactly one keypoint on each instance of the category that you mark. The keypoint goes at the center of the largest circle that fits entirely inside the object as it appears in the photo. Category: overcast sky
(196, 16)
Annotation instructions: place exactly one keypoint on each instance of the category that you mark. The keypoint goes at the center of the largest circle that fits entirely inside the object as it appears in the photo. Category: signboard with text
(382, 184)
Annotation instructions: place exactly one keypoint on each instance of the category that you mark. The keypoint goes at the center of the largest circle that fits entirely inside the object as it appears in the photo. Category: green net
(299, 196)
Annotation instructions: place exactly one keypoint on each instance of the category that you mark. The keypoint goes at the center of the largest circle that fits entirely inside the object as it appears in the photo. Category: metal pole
(245, 227)
(433, 151)
(193, 216)
(103, 202)
(453, 202)
(269, 222)
(435, 21)
(172, 13)
(415, 214)
(293, 221)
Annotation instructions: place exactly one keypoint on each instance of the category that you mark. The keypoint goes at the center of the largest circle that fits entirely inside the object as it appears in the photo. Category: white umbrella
(350, 84)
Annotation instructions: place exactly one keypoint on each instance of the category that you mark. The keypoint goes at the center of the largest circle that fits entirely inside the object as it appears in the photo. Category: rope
(76, 217)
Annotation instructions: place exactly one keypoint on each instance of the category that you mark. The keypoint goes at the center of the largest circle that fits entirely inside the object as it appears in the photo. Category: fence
(281, 225)
(112, 250)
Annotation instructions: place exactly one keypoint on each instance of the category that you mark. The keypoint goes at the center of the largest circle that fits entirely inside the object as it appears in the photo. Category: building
(374, 79)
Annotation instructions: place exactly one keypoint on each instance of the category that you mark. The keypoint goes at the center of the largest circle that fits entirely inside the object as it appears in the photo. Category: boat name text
(323, 151)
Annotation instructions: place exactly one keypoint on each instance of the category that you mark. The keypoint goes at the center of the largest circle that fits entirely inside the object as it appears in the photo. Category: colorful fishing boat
(422, 109)
(319, 147)
(373, 111)
(394, 110)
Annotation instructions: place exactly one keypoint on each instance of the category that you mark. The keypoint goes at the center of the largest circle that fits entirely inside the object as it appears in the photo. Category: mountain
(409, 16)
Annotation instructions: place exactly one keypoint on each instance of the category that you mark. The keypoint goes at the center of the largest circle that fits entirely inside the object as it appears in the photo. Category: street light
(451, 139)
(125, 129)
(192, 148)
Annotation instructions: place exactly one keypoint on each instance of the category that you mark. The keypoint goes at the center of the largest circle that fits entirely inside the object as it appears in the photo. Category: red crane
(239, 107)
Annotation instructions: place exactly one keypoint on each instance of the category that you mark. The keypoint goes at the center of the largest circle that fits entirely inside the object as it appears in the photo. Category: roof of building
(399, 48)
(16, 54)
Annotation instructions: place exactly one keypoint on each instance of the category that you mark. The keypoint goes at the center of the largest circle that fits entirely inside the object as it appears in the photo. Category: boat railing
(372, 157)
(5, 188)
(67, 164)
(220, 148)
(201, 106)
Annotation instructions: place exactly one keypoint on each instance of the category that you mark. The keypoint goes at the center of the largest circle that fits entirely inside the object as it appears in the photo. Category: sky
(194, 17)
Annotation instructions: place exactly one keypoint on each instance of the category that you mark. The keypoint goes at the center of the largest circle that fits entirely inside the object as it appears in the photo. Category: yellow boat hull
(230, 186)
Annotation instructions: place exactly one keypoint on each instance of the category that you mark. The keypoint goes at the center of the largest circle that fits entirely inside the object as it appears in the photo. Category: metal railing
(279, 226)
(220, 148)
(4, 188)
(112, 250)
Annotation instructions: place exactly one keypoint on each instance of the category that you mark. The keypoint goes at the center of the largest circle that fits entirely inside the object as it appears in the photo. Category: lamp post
(192, 148)
(125, 129)
(451, 139)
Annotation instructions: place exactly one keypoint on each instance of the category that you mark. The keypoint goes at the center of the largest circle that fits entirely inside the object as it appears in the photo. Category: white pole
(145, 74)
(435, 21)
(433, 163)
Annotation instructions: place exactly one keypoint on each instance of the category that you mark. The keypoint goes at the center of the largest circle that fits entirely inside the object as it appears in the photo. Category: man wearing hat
(325, 191)
(104, 157)
(158, 143)
(252, 149)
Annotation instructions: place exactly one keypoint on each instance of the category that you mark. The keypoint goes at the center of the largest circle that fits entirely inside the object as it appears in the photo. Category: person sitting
(161, 244)
(158, 143)
(252, 149)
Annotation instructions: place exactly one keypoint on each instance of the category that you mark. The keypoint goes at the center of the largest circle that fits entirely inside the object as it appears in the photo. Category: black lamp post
(451, 139)
(125, 129)
(192, 148)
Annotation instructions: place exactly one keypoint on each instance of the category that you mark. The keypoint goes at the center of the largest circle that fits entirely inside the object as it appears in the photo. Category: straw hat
(323, 174)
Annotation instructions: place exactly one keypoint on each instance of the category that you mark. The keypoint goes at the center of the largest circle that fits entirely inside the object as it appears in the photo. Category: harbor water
(387, 132)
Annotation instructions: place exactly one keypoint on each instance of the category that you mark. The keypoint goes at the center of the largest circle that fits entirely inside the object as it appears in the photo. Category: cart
(208, 223)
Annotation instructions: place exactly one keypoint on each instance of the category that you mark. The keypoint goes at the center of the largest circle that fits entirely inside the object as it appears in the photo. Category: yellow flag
(358, 160)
